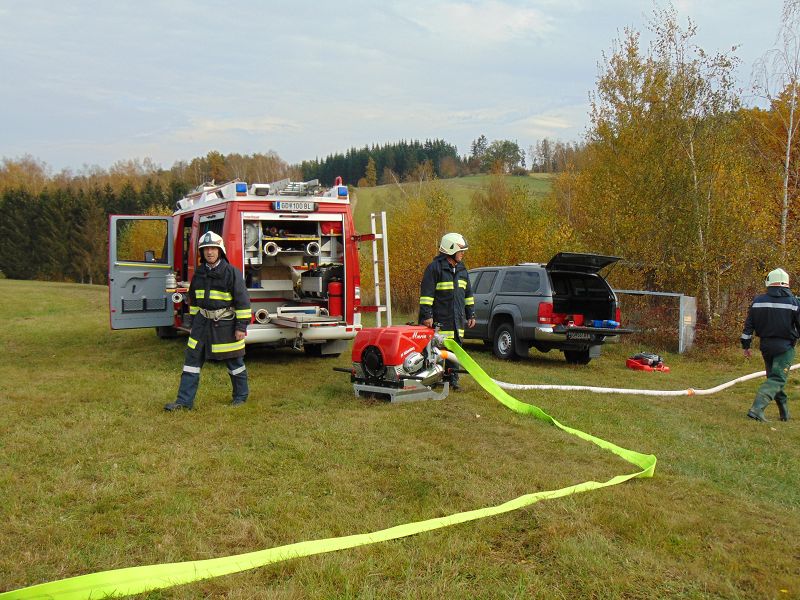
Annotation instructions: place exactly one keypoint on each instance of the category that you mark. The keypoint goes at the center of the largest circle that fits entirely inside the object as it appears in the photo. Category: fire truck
(293, 241)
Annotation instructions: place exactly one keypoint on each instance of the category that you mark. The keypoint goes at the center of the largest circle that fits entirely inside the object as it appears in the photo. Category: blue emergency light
(342, 191)
(241, 187)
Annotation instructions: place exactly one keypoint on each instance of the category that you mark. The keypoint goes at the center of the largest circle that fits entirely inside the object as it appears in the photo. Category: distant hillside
(461, 189)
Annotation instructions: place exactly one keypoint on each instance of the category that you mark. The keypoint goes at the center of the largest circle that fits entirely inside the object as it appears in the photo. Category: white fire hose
(603, 390)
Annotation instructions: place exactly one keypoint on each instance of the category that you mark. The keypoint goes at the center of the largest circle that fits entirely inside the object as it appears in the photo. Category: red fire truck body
(293, 241)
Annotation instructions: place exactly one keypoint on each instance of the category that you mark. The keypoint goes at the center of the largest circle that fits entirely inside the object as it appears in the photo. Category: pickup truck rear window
(526, 282)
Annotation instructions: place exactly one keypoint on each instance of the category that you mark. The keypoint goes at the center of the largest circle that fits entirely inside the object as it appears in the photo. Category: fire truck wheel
(315, 351)
(165, 333)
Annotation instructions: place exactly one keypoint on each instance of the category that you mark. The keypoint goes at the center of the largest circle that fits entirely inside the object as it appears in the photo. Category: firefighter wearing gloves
(220, 313)
(445, 296)
(775, 318)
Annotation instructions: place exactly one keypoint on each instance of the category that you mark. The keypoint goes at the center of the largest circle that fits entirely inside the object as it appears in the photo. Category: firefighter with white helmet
(445, 293)
(219, 308)
(775, 318)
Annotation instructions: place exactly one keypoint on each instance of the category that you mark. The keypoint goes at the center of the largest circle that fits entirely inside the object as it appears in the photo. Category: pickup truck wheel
(577, 357)
(504, 342)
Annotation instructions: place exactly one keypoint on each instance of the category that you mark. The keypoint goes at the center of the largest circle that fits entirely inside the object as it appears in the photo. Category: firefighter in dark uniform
(220, 313)
(775, 318)
(445, 296)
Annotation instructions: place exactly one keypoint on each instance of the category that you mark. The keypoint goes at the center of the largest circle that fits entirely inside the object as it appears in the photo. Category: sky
(90, 83)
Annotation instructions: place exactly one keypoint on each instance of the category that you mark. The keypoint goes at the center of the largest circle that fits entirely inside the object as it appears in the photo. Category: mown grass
(95, 476)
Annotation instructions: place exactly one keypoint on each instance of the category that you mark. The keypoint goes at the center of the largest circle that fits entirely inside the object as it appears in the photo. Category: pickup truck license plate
(578, 335)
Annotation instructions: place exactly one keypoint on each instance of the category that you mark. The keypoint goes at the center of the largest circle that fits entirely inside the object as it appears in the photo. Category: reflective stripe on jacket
(212, 290)
(446, 296)
(775, 318)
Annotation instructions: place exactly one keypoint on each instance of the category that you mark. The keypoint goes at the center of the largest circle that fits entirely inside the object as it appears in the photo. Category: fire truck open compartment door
(140, 259)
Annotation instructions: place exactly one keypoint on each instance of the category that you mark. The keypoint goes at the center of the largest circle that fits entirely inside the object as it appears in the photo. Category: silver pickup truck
(563, 305)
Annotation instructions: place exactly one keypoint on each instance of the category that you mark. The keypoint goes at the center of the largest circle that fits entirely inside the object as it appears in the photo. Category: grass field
(460, 189)
(95, 476)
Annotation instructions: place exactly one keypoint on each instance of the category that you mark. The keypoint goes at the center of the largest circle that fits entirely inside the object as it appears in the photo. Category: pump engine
(401, 362)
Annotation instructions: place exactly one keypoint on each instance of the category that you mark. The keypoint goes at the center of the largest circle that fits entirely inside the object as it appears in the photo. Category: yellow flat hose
(136, 580)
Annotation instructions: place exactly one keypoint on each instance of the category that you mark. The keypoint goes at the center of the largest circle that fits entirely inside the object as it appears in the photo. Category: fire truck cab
(293, 241)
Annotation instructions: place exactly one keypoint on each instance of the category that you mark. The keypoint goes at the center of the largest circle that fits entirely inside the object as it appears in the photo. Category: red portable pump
(401, 363)
(644, 361)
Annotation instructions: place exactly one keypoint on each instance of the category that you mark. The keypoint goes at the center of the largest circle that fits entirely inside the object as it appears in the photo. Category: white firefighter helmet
(452, 243)
(777, 277)
(211, 239)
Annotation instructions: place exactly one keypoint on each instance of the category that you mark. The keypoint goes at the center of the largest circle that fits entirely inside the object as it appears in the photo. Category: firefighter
(445, 296)
(775, 318)
(219, 312)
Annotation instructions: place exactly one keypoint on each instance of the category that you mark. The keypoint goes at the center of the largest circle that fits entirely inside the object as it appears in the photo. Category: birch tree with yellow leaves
(663, 181)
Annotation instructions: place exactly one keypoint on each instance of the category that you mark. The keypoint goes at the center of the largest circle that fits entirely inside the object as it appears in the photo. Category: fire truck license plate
(294, 205)
(578, 335)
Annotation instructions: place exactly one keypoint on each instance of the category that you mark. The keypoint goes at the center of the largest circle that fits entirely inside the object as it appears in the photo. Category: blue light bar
(342, 191)
(241, 187)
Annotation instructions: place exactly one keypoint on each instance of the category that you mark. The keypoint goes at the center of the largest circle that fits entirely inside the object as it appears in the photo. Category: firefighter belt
(221, 314)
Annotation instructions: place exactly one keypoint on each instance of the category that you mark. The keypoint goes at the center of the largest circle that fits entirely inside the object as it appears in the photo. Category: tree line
(390, 162)
(55, 225)
(61, 233)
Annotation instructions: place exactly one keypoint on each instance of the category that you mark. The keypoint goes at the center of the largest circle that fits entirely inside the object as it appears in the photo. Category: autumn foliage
(669, 178)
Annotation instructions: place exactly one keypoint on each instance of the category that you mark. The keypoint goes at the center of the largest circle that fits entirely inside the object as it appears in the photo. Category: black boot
(172, 406)
(454, 385)
(783, 410)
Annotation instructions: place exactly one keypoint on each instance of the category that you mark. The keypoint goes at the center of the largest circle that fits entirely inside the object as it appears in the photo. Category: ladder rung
(372, 308)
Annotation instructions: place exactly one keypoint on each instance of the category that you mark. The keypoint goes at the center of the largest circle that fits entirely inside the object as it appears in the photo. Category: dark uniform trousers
(190, 378)
(213, 336)
(772, 389)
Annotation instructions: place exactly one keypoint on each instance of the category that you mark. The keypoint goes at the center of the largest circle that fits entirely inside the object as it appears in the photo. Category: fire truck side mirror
(149, 256)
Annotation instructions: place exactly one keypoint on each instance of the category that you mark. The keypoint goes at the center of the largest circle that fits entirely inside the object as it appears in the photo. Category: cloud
(563, 122)
(216, 130)
(484, 23)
